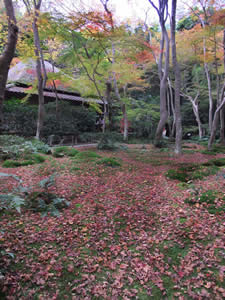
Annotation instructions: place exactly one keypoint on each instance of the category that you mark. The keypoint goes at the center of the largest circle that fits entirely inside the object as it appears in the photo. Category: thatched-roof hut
(22, 77)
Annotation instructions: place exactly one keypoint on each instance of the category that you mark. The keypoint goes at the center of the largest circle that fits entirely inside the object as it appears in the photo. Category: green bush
(14, 147)
(45, 203)
(109, 141)
(22, 119)
(89, 137)
(109, 161)
(11, 201)
(11, 140)
(40, 200)
(70, 120)
(65, 151)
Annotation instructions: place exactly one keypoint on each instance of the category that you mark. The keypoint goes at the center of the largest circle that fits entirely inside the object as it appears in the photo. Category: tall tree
(8, 53)
(176, 69)
(34, 8)
(163, 69)
(219, 109)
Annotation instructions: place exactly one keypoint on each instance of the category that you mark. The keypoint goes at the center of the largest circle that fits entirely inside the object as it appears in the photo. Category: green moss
(208, 197)
(65, 151)
(189, 172)
(87, 155)
(218, 162)
(177, 175)
(30, 159)
(110, 162)
(215, 149)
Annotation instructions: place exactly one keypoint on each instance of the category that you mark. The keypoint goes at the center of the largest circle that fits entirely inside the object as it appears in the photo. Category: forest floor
(130, 232)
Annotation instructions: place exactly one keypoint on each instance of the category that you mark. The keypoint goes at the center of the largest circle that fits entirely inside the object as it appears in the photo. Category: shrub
(20, 118)
(14, 147)
(45, 203)
(109, 161)
(90, 137)
(11, 201)
(38, 146)
(11, 140)
(109, 141)
(38, 201)
(70, 120)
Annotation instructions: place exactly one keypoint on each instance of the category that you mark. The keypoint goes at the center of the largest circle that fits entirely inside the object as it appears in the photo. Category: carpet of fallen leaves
(128, 233)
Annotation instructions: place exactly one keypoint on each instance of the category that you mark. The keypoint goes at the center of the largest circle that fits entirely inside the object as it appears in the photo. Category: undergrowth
(29, 159)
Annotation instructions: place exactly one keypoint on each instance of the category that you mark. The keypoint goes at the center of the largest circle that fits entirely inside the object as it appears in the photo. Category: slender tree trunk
(169, 112)
(176, 69)
(125, 122)
(172, 108)
(163, 90)
(123, 106)
(40, 66)
(222, 112)
(194, 103)
(222, 126)
(210, 94)
(109, 101)
(219, 110)
(215, 123)
(8, 53)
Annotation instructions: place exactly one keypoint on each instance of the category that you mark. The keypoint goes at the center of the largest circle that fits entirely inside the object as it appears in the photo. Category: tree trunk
(210, 95)
(197, 117)
(222, 112)
(109, 101)
(123, 106)
(219, 110)
(173, 130)
(42, 77)
(163, 89)
(125, 122)
(222, 126)
(176, 69)
(8, 53)
(215, 124)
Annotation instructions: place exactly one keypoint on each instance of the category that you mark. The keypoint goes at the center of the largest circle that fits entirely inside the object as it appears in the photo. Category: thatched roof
(24, 72)
(23, 75)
